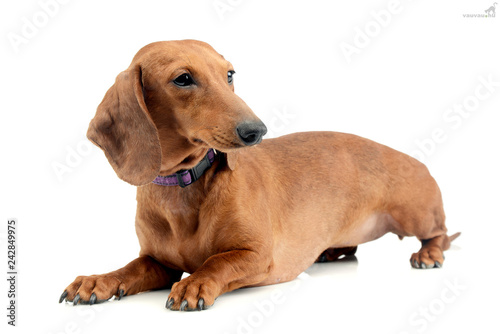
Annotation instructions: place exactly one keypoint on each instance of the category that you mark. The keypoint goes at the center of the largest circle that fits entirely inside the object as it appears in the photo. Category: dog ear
(232, 159)
(124, 130)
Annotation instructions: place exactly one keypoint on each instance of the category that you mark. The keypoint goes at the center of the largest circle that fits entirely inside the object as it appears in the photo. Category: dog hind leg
(431, 254)
(332, 254)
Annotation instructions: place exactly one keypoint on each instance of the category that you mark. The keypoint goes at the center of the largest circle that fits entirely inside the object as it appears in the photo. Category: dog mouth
(218, 139)
(244, 135)
(222, 143)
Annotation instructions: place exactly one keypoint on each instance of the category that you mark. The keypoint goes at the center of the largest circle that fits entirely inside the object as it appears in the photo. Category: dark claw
(322, 258)
(423, 265)
(93, 299)
(77, 298)
(201, 304)
(184, 304)
(170, 302)
(437, 264)
(122, 292)
(64, 295)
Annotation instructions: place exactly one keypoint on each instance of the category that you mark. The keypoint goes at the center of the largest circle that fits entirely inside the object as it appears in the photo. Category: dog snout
(251, 133)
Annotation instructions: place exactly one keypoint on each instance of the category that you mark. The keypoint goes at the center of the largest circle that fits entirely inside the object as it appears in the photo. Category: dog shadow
(346, 265)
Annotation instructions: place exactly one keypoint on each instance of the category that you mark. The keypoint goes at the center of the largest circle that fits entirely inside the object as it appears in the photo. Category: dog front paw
(93, 289)
(192, 294)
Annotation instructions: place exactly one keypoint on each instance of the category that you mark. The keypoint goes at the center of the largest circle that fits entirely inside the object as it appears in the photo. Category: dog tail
(454, 236)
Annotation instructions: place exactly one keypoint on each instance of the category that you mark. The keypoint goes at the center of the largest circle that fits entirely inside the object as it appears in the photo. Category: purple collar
(184, 178)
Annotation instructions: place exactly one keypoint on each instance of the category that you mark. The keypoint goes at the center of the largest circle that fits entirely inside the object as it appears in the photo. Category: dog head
(176, 99)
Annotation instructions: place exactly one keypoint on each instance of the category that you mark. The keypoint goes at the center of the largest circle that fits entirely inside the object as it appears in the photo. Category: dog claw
(77, 298)
(63, 296)
(170, 302)
(122, 292)
(201, 304)
(437, 264)
(184, 304)
(93, 299)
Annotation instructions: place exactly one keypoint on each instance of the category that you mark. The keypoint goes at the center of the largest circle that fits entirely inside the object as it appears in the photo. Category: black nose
(251, 133)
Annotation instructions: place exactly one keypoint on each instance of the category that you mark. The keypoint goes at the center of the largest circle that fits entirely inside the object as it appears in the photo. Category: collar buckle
(183, 178)
(180, 180)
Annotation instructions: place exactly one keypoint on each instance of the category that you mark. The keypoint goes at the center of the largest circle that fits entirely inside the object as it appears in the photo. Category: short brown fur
(260, 215)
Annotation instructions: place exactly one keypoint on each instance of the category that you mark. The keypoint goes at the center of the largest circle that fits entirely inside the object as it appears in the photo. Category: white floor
(374, 292)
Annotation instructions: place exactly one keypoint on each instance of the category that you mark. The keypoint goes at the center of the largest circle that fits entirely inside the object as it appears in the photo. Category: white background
(396, 90)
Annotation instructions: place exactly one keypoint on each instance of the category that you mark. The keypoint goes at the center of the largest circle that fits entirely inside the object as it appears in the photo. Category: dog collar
(184, 177)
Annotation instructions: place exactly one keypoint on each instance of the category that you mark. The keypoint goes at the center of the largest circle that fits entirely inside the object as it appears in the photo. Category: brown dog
(257, 215)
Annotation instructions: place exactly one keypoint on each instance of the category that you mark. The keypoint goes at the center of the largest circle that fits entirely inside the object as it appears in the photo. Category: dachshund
(233, 210)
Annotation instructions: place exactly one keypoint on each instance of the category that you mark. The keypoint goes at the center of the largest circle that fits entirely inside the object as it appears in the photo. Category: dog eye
(230, 77)
(184, 80)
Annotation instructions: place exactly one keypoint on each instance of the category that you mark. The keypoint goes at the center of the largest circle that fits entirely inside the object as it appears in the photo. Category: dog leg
(332, 254)
(142, 274)
(431, 254)
(220, 273)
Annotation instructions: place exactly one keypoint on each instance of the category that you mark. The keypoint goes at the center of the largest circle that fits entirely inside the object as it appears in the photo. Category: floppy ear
(124, 130)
